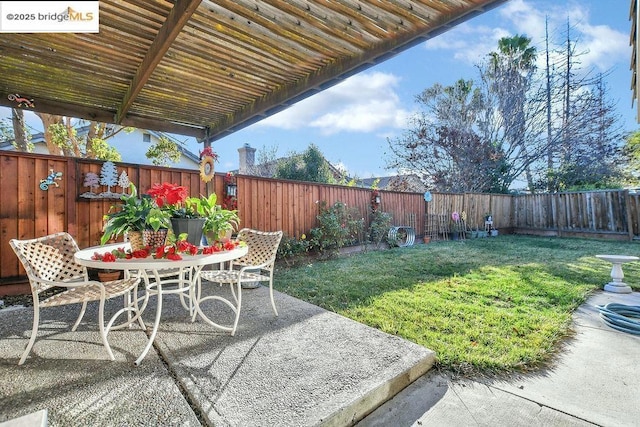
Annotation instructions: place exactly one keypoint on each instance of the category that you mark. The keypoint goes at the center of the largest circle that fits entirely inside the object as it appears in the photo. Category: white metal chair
(256, 266)
(48, 262)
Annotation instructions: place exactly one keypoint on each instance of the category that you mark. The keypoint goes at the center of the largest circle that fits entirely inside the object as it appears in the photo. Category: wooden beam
(177, 19)
(338, 70)
(63, 109)
(163, 125)
(104, 116)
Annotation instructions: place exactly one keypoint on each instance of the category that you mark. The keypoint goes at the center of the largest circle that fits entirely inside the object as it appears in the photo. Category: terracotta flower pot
(107, 276)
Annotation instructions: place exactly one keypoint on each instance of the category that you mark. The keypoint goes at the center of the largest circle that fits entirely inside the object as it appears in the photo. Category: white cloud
(470, 43)
(524, 18)
(603, 46)
(365, 102)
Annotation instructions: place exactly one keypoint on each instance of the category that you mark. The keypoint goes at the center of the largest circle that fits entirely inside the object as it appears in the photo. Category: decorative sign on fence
(51, 179)
(108, 177)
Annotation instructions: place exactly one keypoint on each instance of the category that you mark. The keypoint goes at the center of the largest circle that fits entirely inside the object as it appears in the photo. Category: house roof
(207, 68)
(409, 182)
(83, 130)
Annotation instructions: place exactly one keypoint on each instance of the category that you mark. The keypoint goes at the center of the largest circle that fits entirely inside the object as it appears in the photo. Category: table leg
(156, 323)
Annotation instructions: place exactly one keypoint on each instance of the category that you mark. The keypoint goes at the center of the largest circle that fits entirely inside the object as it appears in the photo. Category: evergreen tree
(309, 166)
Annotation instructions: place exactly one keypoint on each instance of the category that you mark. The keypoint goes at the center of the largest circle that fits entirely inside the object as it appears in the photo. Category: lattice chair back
(256, 266)
(262, 245)
(49, 258)
(49, 263)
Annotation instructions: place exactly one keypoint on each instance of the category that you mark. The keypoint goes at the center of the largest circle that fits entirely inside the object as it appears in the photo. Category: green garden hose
(621, 317)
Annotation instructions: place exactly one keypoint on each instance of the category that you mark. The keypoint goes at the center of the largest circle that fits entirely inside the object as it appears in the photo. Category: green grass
(486, 306)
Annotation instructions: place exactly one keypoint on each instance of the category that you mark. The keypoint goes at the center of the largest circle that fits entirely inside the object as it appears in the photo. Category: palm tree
(510, 72)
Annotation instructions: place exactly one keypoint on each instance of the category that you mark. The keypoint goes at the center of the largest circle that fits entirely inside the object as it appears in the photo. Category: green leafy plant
(379, 227)
(133, 214)
(217, 219)
(292, 249)
(339, 226)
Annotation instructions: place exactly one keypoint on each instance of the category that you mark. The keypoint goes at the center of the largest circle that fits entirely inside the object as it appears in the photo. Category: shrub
(338, 226)
(379, 228)
(291, 249)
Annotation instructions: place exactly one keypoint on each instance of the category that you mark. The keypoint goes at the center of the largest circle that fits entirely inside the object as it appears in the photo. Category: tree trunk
(19, 130)
(48, 120)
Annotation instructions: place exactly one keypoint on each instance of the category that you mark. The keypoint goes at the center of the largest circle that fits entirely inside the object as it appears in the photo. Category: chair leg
(273, 303)
(239, 301)
(82, 310)
(34, 333)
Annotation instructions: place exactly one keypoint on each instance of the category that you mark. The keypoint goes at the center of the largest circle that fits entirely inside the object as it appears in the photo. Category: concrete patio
(306, 367)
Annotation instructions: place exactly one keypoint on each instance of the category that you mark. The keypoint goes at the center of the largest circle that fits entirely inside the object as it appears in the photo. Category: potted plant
(108, 275)
(133, 216)
(182, 210)
(219, 222)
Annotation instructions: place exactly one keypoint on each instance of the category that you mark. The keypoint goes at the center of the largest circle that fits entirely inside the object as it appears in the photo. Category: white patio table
(158, 274)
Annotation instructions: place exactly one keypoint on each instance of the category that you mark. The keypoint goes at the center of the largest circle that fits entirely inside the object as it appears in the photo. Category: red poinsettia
(172, 251)
(167, 194)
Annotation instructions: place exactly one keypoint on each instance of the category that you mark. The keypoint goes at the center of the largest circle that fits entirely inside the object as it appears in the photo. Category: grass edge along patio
(485, 306)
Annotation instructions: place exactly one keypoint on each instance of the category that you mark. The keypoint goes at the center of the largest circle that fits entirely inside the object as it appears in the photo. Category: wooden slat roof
(206, 68)
(635, 65)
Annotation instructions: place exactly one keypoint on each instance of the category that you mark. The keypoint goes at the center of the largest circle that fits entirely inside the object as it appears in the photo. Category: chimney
(247, 159)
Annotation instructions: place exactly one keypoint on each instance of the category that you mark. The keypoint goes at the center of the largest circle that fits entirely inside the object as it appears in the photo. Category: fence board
(270, 204)
(8, 215)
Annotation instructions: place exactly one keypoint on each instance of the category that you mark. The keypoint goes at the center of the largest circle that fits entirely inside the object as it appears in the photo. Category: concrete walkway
(306, 367)
(595, 380)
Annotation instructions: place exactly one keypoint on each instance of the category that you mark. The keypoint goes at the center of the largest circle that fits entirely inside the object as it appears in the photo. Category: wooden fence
(607, 214)
(26, 211)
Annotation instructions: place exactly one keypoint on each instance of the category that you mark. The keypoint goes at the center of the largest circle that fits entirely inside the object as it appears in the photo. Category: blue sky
(351, 122)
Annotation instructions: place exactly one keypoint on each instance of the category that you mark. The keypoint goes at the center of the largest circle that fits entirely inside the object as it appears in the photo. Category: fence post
(556, 213)
(627, 203)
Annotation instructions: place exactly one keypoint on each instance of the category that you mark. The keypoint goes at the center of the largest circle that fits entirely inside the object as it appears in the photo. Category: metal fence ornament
(21, 100)
(207, 164)
(51, 179)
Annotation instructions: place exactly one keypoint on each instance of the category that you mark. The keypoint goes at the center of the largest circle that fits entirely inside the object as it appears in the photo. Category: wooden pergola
(634, 16)
(207, 68)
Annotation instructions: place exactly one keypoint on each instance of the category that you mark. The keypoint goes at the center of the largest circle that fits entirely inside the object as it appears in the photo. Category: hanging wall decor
(21, 100)
(207, 161)
(91, 180)
(51, 179)
(375, 200)
(230, 200)
(109, 178)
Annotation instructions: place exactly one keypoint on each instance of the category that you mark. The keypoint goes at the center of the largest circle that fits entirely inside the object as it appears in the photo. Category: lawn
(489, 306)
